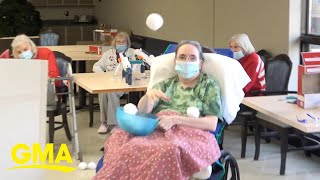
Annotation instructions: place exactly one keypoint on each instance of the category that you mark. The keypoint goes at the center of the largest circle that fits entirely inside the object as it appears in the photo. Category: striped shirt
(254, 67)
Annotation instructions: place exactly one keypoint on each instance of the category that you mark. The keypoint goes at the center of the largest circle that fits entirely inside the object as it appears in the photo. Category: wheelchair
(231, 96)
(220, 169)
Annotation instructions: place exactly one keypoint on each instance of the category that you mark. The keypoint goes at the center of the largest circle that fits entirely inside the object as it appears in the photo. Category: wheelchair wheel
(230, 162)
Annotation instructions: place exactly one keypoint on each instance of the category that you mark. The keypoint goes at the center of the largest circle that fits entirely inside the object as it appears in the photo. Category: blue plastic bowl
(139, 124)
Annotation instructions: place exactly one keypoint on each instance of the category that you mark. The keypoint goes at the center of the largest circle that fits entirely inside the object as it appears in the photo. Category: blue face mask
(121, 48)
(26, 55)
(238, 55)
(187, 70)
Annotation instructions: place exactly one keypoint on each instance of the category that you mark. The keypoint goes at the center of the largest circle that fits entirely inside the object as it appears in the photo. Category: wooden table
(106, 82)
(277, 108)
(76, 52)
(282, 116)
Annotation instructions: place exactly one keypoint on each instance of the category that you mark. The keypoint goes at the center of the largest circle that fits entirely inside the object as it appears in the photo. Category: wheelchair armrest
(219, 130)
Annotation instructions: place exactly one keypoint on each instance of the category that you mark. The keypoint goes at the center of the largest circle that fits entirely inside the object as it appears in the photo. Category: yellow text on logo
(22, 154)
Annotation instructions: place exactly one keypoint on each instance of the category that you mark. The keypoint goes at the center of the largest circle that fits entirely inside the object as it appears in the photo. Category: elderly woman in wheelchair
(182, 145)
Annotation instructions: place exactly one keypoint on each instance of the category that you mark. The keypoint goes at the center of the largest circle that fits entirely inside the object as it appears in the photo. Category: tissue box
(94, 49)
(309, 80)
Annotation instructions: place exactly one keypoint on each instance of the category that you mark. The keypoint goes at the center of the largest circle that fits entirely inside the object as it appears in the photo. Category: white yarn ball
(130, 109)
(154, 21)
(92, 165)
(82, 165)
(193, 112)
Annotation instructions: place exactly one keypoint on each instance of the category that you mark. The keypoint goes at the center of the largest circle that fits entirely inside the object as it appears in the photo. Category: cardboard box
(309, 80)
(104, 35)
(95, 49)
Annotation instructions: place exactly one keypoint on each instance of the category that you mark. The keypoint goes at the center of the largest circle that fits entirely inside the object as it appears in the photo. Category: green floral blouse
(205, 96)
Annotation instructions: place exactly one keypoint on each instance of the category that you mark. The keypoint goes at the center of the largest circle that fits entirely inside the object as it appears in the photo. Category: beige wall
(183, 19)
(266, 23)
(273, 24)
(211, 22)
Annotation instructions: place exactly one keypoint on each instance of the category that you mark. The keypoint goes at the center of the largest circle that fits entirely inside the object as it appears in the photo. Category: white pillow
(228, 72)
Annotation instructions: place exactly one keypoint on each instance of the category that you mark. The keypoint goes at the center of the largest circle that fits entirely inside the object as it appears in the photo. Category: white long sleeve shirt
(108, 61)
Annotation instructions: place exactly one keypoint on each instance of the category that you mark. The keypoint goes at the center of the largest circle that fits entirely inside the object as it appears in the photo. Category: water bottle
(142, 68)
(129, 76)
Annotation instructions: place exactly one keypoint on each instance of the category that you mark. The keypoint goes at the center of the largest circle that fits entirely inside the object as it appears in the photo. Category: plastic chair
(56, 109)
(277, 73)
(170, 48)
(278, 70)
(224, 51)
(264, 55)
(56, 101)
(49, 39)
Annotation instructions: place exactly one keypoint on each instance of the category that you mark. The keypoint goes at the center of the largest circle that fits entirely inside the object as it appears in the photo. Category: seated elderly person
(182, 145)
(24, 48)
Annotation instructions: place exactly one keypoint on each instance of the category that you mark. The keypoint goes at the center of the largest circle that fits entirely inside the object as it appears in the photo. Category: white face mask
(238, 55)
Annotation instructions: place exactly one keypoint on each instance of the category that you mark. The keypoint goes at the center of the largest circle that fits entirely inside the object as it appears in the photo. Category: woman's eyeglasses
(191, 58)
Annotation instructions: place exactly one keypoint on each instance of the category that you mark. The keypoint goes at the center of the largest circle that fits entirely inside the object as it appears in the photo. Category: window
(310, 38)
(314, 17)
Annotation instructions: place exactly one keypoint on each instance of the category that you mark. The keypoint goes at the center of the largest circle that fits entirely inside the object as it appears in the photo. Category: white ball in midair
(154, 21)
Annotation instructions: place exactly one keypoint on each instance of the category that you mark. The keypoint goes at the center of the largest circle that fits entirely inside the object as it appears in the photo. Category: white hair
(121, 35)
(21, 39)
(244, 42)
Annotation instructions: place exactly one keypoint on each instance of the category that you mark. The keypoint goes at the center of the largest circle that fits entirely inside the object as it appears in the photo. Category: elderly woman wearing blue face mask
(244, 52)
(24, 48)
(183, 145)
(189, 88)
(110, 59)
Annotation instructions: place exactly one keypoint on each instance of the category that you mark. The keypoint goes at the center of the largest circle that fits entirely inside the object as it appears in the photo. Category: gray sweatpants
(108, 103)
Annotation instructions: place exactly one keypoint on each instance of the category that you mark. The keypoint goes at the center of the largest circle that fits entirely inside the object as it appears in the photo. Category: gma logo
(34, 158)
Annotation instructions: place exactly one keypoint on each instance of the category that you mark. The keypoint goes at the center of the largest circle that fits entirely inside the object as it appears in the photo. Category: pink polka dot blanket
(174, 154)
